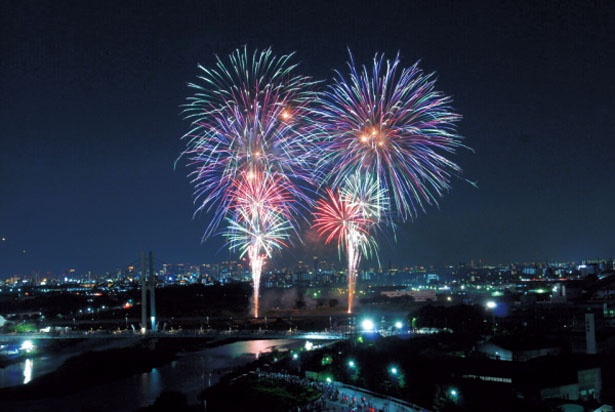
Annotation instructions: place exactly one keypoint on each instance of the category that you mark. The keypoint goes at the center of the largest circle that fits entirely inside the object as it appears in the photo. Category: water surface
(189, 374)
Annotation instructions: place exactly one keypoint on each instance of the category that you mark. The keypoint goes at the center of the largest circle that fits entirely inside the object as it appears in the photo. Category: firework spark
(362, 190)
(248, 151)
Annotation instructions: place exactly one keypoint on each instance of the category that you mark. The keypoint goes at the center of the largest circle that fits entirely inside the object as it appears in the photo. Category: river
(189, 373)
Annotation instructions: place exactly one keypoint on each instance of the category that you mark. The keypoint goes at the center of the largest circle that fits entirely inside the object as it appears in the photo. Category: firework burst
(389, 121)
(248, 151)
(383, 135)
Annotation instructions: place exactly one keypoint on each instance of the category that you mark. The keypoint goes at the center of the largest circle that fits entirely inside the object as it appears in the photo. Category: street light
(453, 394)
(353, 370)
(367, 325)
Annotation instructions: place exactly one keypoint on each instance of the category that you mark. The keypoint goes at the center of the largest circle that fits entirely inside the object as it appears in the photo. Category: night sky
(90, 116)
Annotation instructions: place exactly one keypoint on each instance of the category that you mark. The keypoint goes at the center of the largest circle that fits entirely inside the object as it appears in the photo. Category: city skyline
(91, 96)
(308, 266)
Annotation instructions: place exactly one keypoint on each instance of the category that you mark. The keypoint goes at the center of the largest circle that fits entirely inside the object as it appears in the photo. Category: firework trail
(348, 219)
(390, 123)
(248, 128)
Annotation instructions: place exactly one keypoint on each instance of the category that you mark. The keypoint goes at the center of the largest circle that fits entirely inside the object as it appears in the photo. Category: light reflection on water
(23, 372)
(27, 370)
(189, 374)
(150, 384)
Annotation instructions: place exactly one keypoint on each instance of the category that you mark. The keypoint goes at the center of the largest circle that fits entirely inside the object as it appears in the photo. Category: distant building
(518, 349)
(432, 277)
(570, 380)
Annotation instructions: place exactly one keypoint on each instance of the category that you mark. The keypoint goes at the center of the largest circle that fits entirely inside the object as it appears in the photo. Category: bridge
(179, 333)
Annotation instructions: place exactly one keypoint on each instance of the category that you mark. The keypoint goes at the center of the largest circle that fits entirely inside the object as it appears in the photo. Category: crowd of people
(335, 398)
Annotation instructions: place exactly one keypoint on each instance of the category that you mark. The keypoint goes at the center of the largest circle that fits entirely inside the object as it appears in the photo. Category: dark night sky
(91, 125)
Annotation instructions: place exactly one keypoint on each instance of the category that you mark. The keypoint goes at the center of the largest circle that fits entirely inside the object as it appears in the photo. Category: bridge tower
(148, 290)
